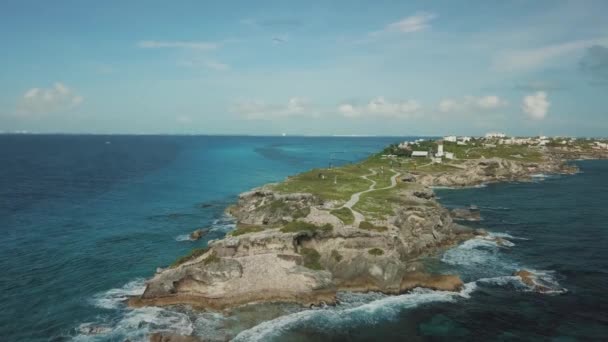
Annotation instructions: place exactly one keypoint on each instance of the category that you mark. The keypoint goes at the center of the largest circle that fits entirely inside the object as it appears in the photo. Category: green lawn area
(344, 214)
(338, 183)
(378, 204)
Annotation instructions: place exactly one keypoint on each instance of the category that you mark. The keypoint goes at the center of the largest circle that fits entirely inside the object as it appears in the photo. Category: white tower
(439, 150)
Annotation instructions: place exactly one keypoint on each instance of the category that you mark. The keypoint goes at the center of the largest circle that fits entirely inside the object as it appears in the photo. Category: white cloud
(204, 63)
(259, 110)
(380, 107)
(469, 103)
(155, 44)
(418, 22)
(48, 100)
(215, 65)
(536, 105)
(537, 57)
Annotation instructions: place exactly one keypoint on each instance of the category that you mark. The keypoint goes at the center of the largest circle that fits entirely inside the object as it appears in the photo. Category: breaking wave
(114, 298)
(345, 315)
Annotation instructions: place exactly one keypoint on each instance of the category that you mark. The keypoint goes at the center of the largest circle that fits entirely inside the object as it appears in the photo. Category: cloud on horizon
(260, 110)
(536, 105)
(57, 98)
(380, 107)
(470, 103)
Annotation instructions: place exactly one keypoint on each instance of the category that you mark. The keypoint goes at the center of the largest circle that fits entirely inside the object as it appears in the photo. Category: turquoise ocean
(85, 219)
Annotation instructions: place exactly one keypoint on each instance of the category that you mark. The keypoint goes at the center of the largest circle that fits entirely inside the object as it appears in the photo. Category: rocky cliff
(308, 261)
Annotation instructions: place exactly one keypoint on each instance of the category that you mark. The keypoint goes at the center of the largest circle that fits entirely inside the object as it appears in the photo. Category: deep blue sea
(85, 219)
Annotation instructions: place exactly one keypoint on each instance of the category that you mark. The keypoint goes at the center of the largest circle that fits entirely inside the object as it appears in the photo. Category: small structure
(461, 143)
(439, 149)
(494, 135)
(449, 155)
(489, 145)
(436, 160)
(424, 154)
(451, 138)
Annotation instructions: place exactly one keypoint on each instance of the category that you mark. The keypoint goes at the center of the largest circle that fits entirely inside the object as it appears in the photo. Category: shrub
(311, 258)
(298, 226)
(300, 213)
(370, 226)
(192, 255)
(336, 255)
(344, 214)
(246, 228)
(375, 251)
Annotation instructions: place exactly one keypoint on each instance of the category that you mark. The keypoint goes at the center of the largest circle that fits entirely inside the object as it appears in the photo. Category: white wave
(507, 236)
(495, 208)
(137, 325)
(183, 237)
(545, 282)
(224, 224)
(114, 298)
(344, 315)
(444, 187)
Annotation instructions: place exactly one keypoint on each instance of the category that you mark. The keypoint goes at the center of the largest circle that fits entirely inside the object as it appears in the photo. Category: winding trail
(354, 198)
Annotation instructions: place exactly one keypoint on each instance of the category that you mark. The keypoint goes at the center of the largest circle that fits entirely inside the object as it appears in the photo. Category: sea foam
(114, 298)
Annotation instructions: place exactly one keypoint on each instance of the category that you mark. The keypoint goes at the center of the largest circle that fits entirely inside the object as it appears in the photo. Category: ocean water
(85, 219)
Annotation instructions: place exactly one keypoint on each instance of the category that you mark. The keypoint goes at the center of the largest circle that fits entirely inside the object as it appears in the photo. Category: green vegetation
(375, 251)
(298, 226)
(370, 226)
(379, 204)
(242, 228)
(311, 258)
(283, 208)
(300, 213)
(339, 183)
(344, 214)
(192, 255)
(211, 258)
(336, 255)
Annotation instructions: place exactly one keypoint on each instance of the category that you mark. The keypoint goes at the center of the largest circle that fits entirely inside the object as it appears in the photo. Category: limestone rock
(197, 234)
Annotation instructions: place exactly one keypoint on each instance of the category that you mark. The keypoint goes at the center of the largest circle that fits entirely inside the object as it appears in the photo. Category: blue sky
(314, 68)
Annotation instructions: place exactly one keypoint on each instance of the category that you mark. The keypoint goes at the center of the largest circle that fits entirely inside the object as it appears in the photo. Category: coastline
(216, 279)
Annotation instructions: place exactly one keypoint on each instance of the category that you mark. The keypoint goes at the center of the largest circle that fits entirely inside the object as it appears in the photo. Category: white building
(424, 154)
(436, 160)
(449, 155)
(451, 138)
(493, 135)
(439, 150)
(461, 143)
(465, 139)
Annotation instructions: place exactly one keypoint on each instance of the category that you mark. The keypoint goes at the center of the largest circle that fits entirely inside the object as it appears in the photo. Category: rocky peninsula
(359, 227)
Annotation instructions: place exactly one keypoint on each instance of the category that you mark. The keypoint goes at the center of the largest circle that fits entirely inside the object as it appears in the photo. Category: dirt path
(354, 199)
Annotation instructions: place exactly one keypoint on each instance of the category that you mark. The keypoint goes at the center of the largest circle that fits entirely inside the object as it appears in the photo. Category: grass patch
(370, 226)
(344, 214)
(246, 228)
(379, 204)
(211, 259)
(311, 258)
(190, 256)
(299, 226)
(301, 213)
(336, 255)
(338, 183)
(375, 251)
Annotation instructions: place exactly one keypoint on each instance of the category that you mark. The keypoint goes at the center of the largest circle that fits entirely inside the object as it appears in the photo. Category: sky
(305, 67)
